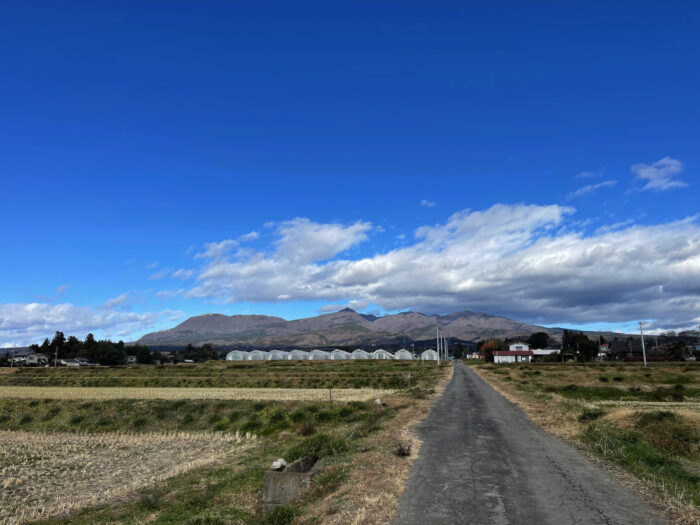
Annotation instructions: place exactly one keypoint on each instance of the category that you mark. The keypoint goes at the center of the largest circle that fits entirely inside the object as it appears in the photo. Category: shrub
(591, 415)
(25, 419)
(318, 446)
(282, 515)
(76, 419)
(307, 429)
(617, 378)
(603, 379)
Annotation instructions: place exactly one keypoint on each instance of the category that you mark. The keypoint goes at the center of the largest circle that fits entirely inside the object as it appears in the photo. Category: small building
(403, 354)
(429, 355)
(36, 359)
(513, 356)
(319, 355)
(278, 355)
(131, 360)
(237, 355)
(340, 355)
(258, 355)
(518, 346)
(298, 355)
(359, 354)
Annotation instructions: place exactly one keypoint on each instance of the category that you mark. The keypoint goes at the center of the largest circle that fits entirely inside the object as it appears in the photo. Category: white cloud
(216, 250)
(25, 323)
(251, 236)
(152, 266)
(591, 188)
(524, 261)
(161, 274)
(182, 274)
(660, 174)
(589, 174)
(116, 301)
(59, 292)
(427, 204)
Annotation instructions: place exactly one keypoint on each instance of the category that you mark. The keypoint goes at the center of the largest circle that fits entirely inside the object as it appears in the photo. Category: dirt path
(482, 461)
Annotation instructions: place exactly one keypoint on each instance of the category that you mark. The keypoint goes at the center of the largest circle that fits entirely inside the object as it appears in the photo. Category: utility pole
(644, 351)
(437, 340)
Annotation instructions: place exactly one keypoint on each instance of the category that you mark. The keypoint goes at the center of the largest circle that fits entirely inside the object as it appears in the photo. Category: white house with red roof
(518, 352)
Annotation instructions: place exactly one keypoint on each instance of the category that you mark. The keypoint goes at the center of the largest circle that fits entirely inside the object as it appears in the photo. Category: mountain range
(343, 328)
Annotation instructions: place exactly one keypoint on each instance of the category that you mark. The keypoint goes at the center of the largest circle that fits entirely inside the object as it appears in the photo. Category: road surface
(482, 461)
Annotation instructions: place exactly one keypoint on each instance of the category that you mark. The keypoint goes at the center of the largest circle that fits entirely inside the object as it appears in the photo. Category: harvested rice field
(51, 474)
(256, 394)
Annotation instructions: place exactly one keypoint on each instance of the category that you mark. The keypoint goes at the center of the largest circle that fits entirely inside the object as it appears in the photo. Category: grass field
(643, 420)
(203, 460)
(231, 374)
(262, 394)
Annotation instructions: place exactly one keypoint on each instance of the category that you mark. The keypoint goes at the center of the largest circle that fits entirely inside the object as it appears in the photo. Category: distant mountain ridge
(342, 328)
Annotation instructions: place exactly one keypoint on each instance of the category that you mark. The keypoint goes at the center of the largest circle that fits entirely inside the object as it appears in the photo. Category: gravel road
(483, 461)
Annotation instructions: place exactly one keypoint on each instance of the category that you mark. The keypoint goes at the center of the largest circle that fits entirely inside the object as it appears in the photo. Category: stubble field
(186, 453)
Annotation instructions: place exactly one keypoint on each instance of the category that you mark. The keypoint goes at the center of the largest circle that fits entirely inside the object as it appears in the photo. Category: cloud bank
(524, 261)
(25, 323)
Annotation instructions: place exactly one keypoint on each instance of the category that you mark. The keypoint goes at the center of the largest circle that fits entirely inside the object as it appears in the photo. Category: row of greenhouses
(323, 355)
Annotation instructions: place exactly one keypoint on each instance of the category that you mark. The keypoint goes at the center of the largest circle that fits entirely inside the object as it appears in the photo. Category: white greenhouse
(259, 355)
(403, 354)
(319, 355)
(429, 355)
(359, 354)
(381, 354)
(278, 355)
(237, 355)
(298, 355)
(339, 355)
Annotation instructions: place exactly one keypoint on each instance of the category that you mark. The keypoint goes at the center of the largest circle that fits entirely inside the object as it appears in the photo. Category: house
(36, 359)
(518, 346)
(542, 354)
(131, 360)
(513, 356)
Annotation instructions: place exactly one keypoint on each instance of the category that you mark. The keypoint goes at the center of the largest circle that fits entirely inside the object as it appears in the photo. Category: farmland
(177, 454)
(229, 374)
(643, 421)
(261, 394)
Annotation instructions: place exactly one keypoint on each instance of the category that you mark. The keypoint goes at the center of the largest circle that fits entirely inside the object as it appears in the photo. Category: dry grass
(52, 474)
(255, 394)
(378, 477)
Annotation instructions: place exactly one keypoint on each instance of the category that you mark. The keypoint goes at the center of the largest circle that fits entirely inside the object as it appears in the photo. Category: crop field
(192, 454)
(389, 375)
(53, 474)
(644, 420)
(260, 394)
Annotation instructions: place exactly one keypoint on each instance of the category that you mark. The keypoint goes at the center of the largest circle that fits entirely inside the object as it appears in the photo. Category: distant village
(575, 346)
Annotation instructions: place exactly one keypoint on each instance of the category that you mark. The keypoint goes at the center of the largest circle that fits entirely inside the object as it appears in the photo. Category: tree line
(106, 352)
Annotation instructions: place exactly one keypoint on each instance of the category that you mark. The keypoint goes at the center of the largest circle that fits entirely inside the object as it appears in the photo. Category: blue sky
(534, 161)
